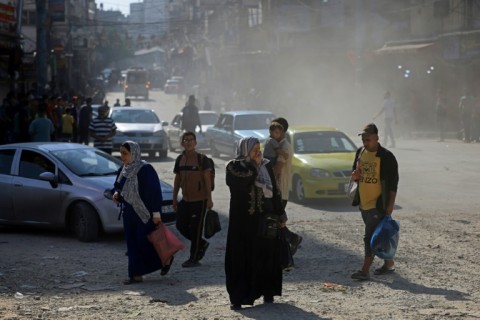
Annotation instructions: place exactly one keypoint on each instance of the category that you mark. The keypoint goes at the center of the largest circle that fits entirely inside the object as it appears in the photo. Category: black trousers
(190, 220)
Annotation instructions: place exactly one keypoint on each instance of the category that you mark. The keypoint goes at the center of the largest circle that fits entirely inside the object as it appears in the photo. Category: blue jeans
(371, 218)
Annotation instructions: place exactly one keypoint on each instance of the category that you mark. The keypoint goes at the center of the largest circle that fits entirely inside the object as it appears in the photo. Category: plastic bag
(165, 242)
(385, 238)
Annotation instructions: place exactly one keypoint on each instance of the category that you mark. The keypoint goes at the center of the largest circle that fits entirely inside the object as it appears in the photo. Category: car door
(225, 140)
(35, 200)
(6, 184)
(175, 132)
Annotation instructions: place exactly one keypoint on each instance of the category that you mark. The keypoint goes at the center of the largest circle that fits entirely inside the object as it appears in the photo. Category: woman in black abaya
(252, 262)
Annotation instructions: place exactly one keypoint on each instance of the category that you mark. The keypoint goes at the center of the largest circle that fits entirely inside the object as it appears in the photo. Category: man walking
(390, 116)
(283, 166)
(84, 118)
(194, 179)
(376, 171)
(190, 116)
(102, 129)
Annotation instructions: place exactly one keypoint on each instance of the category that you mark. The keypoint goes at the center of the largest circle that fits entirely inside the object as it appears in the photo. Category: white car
(174, 130)
(143, 126)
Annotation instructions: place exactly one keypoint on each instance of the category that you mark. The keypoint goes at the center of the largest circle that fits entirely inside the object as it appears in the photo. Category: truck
(136, 83)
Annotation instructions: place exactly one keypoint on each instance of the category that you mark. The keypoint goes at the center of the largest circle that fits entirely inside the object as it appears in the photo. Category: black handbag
(286, 257)
(212, 224)
(268, 226)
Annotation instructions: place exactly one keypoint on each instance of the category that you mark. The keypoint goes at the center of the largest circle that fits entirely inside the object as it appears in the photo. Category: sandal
(383, 270)
(132, 280)
(166, 268)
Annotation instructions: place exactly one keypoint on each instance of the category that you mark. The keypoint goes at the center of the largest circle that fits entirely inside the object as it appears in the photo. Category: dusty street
(50, 275)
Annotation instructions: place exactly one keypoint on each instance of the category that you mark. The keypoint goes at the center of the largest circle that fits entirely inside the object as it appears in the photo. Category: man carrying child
(278, 150)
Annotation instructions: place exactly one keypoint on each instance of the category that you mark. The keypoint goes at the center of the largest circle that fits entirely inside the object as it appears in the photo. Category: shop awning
(404, 48)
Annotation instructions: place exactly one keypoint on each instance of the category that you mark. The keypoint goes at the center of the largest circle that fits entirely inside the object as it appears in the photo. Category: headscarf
(130, 188)
(263, 179)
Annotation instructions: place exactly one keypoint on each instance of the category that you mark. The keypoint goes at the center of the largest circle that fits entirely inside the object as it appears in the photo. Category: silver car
(63, 185)
(141, 125)
(174, 130)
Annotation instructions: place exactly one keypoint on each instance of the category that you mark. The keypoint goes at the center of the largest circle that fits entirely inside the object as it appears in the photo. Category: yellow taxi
(321, 163)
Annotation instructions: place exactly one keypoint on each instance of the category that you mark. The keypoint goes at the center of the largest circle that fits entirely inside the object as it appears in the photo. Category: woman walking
(138, 190)
(252, 261)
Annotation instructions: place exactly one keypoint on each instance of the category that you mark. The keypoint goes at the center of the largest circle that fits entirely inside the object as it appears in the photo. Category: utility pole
(41, 55)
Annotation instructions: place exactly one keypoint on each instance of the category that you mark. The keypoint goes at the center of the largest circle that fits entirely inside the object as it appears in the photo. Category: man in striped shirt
(102, 129)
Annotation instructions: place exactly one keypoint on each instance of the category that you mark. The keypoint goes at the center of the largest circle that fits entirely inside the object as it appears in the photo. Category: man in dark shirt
(190, 116)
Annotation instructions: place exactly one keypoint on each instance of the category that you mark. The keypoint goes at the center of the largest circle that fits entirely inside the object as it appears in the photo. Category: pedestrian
(41, 129)
(272, 144)
(441, 114)
(68, 124)
(127, 103)
(194, 180)
(84, 118)
(283, 175)
(137, 189)
(190, 116)
(390, 116)
(252, 262)
(117, 103)
(376, 171)
(466, 108)
(207, 105)
(102, 129)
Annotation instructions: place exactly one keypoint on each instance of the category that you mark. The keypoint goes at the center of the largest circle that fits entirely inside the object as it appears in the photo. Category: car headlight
(319, 173)
(160, 133)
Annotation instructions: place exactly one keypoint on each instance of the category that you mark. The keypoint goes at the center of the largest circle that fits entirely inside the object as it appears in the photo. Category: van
(137, 83)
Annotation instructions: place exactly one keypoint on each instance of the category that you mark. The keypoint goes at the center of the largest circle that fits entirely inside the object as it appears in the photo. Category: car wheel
(298, 191)
(84, 222)
(162, 153)
(213, 149)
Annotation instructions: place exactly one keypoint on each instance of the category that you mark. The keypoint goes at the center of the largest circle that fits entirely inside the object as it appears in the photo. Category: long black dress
(252, 263)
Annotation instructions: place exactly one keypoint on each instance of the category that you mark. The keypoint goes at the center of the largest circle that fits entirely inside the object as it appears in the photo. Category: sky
(122, 5)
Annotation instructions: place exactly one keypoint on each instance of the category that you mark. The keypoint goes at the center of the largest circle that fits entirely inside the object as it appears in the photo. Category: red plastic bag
(165, 242)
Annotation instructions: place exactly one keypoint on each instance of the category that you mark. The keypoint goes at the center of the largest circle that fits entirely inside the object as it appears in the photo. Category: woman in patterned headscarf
(252, 262)
(138, 190)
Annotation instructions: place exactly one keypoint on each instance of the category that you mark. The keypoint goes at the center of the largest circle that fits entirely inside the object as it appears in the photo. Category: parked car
(232, 126)
(174, 130)
(321, 163)
(63, 185)
(143, 126)
(171, 86)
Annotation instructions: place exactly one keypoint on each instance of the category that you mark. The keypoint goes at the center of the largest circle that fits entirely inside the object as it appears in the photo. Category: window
(32, 164)
(6, 159)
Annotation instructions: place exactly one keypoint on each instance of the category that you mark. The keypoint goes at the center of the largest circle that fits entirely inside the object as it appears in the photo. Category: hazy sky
(122, 5)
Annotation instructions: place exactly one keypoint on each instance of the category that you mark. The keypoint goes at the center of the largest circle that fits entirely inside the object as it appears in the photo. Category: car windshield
(322, 142)
(88, 162)
(253, 121)
(134, 116)
(208, 118)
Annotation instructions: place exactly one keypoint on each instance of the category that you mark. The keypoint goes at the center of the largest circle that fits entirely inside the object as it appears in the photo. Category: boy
(272, 148)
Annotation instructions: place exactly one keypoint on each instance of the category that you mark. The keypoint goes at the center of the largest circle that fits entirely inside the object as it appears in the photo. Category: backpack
(202, 157)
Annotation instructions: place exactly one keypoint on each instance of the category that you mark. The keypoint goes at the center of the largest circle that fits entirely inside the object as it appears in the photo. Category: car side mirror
(229, 127)
(50, 177)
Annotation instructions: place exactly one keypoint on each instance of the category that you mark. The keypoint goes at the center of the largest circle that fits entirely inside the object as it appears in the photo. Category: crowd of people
(26, 118)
